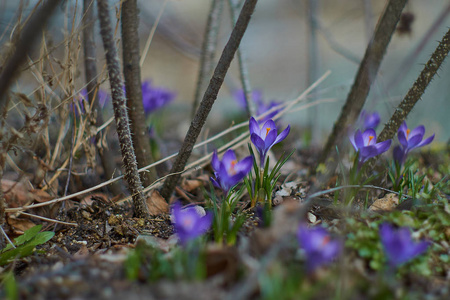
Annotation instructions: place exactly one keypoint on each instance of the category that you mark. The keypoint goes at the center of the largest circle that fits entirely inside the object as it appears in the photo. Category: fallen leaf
(19, 194)
(156, 204)
(18, 225)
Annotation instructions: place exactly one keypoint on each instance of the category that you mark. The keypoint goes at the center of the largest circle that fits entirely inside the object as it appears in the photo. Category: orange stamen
(232, 170)
(407, 132)
(267, 130)
(370, 138)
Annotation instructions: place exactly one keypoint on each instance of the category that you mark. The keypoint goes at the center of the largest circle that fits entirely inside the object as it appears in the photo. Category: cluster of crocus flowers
(319, 247)
(261, 106)
(190, 222)
(409, 140)
(265, 137)
(367, 146)
(229, 171)
(398, 245)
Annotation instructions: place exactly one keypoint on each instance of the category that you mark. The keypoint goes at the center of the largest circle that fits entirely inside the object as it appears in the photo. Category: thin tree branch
(416, 91)
(28, 36)
(409, 60)
(313, 64)
(366, 74)
(209, 46)
(120, 111)
(209, 97)
(92, 87)
(132, 75)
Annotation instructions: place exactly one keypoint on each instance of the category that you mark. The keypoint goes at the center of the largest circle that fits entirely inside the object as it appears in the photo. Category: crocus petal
(426, 141)
(270, 139)
(245, 165)
(228, 157)
(413, 141)
(215, 162)
(283, 135)
(367, 152)
(254, 127)
(258, 142)
(383, 146)
(359, 141)
(403, 127)
(402, 139)
(267, 127)
(370, 137)
(205, 222)
(419, 130)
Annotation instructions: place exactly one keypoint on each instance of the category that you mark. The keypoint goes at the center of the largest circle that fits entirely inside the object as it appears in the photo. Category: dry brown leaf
(19, 225)
(388, 202)
(19, 194)
(190, 185)
(156, 204)
(88, 200)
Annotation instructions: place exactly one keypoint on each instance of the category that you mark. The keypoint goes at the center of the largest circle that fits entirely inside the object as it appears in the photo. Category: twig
(313, 63)
(209, 97)
(363, 80)
(120, 111)
(47, 219)
(152, 33)
(132, 75)
(209, 46)
(417, 90)
(6, 237)
(243, 70)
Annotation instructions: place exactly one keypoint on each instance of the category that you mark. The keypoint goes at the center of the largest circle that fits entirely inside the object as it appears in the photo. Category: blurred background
(278, 53)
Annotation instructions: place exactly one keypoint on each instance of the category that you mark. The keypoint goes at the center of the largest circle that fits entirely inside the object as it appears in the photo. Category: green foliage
(25, 244)
(409, 180)
(8, 282)
(149, 263)
(429, 222)
(226, 222)
(260, 183)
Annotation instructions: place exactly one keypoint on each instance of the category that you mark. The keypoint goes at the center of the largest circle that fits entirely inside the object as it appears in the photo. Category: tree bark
(132, 75)
(120, 111)
(92, 88)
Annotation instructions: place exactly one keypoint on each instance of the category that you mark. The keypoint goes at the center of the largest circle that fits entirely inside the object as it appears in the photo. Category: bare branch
(209, 97)
(120, 111)
(132, 75)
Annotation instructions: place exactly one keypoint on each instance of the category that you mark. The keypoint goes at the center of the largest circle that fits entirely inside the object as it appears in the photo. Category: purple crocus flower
(319, 248)
(229, 171)
(410, 139)
(190, 222)
(265, 137)
(366, 144)
(398, 245)
(154, 98)
(369, 120)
